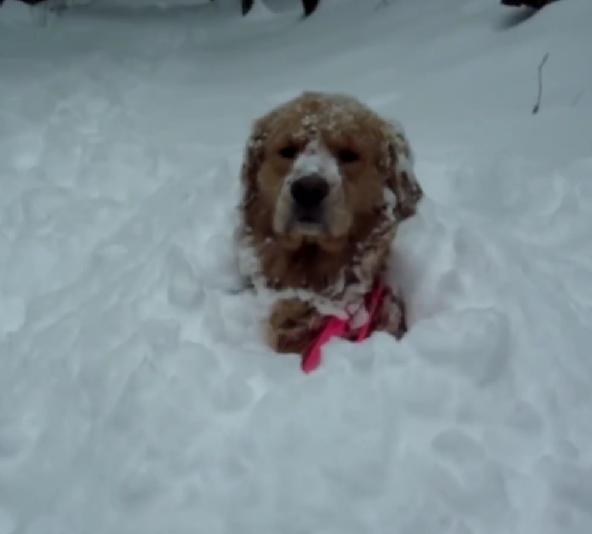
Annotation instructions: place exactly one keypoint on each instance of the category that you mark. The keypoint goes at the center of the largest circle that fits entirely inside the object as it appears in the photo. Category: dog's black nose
(309, 191)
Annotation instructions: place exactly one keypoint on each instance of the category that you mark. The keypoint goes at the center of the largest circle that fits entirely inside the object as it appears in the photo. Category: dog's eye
(345, 155)
(288, 151)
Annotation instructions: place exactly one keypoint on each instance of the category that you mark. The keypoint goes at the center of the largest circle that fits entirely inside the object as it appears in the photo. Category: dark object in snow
(535, 4)
(308, 5)
(246, 5)
(30, 2)
(537, 106)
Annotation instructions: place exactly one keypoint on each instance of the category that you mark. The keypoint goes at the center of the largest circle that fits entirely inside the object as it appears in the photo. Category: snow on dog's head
(316, 169)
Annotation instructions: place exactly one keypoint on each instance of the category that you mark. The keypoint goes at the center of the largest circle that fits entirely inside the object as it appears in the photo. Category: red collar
(336, 327)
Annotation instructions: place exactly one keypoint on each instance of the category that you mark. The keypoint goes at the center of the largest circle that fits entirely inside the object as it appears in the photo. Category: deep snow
(136, 395)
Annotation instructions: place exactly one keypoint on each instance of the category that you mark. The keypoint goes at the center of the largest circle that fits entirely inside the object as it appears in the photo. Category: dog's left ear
(254, 152)
(397, 159)
(253, 156)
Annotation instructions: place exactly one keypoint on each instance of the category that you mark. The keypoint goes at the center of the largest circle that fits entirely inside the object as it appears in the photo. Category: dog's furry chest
(308, 267)
(341, 277)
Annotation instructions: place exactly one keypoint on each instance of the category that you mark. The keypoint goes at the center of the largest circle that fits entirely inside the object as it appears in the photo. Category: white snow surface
(136, 394)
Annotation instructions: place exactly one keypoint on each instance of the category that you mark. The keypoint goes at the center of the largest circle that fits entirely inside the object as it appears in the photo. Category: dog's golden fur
(373, 189)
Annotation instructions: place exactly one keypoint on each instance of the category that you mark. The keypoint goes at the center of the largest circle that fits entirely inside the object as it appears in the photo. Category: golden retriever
(326, 182)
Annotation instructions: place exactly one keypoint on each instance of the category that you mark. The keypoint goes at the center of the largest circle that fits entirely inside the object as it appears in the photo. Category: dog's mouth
(311, 230)
(308, 222)
(325, 224)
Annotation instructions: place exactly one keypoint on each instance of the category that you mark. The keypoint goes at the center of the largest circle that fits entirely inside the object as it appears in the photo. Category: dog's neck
(309, 266)
(327, 271)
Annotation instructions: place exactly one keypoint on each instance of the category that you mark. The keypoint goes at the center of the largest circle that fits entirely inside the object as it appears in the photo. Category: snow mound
(136, 395)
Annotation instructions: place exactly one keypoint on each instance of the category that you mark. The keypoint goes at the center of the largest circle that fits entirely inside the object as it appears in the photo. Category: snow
(315, 158)
(136, 395)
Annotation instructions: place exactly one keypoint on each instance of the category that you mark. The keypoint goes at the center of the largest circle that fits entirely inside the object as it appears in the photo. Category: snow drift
(136, 395)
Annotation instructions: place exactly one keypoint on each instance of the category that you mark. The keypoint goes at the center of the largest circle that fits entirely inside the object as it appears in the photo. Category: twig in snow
(537, 106)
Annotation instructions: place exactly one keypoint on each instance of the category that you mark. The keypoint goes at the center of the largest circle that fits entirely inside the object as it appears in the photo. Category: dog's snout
(309, 191)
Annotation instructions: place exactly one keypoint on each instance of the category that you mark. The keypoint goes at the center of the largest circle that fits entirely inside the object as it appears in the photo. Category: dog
(325, 183)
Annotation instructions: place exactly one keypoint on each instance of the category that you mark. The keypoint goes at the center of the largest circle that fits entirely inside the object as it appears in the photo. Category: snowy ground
(136, 395)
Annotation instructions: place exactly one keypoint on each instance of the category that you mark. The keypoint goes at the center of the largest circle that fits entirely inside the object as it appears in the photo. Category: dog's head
(320, 166)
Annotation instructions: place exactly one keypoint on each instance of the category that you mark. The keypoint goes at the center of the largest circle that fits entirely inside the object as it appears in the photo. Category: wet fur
(342, 264)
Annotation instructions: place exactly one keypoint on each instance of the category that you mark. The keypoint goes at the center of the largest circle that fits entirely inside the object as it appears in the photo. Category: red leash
(336, 327)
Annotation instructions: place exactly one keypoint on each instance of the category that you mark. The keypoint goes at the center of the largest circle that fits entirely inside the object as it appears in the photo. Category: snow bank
(135, 392)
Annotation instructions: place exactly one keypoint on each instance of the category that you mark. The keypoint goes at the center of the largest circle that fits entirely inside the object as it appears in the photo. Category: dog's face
(320, 166)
